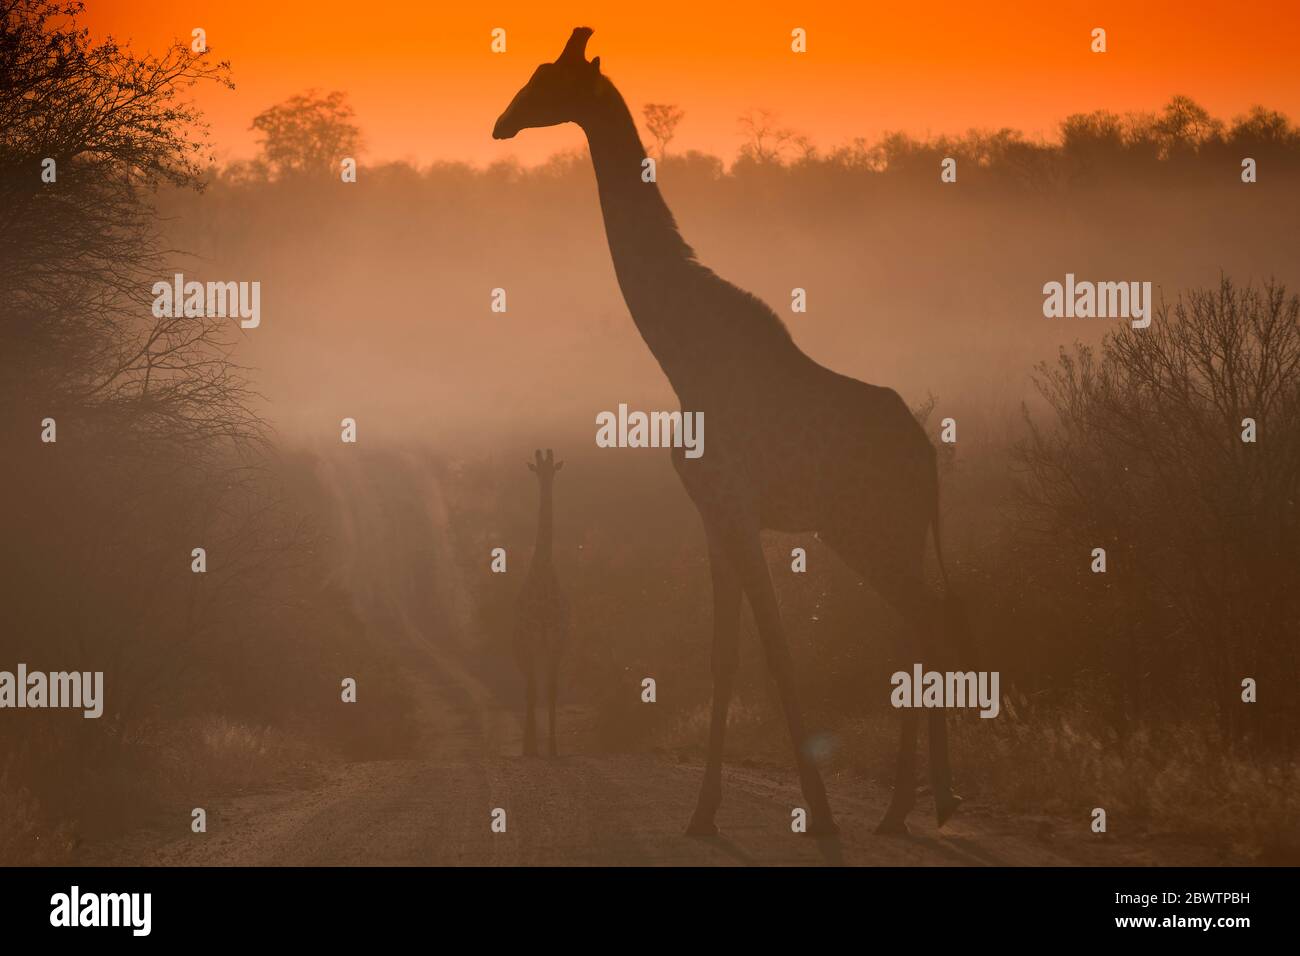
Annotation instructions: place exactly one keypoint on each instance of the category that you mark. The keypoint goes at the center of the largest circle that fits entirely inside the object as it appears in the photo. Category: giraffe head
(545, 468)
(558, 92)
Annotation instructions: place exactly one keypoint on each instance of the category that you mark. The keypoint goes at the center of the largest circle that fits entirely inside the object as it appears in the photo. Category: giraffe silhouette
(542, 613)
(793, 446)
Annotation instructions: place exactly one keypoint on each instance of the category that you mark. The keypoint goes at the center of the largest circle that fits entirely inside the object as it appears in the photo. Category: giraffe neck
(542, 550)
(654, 265)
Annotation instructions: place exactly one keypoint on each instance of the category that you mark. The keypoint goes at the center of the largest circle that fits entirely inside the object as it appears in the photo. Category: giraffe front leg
(756, 580)
(530, 714)
(726, 631)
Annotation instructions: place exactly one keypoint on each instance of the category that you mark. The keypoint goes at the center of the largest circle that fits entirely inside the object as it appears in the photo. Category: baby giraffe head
(559, 92)
(545, 468)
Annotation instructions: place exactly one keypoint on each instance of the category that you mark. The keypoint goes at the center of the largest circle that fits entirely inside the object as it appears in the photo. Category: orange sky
(425, 85)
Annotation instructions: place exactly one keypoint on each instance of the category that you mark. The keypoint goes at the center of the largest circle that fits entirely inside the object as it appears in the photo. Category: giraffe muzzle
(505, 128)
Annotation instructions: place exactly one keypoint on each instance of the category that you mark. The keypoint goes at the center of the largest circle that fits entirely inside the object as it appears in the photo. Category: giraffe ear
(595, 64)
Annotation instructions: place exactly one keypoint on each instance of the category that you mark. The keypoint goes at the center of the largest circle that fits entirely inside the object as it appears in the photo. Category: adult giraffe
(793, 446)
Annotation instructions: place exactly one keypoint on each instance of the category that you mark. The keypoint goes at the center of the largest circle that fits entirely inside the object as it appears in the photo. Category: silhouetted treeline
(1181, 141)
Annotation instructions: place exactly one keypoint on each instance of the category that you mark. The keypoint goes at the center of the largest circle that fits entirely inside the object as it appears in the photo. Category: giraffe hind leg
(530, 711)
(923, 620)
(893, 569)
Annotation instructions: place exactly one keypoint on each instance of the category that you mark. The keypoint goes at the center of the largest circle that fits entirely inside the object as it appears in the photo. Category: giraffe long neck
(542, 551)
(654, 265)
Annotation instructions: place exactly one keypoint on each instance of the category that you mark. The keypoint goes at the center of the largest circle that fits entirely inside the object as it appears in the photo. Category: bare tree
(765, 141)
(661, 120)
(1146, 458)
(1185, 126)
(79, 246)
(308, 134)
(159, 445)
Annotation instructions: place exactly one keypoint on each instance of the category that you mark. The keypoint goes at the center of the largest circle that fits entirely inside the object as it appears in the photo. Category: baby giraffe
(542, 625)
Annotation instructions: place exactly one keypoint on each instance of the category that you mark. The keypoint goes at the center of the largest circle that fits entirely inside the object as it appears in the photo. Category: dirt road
(582, 808)
(607, 809)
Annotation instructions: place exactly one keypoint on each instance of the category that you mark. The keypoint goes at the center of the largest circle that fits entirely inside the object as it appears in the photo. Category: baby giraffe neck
(542, 551)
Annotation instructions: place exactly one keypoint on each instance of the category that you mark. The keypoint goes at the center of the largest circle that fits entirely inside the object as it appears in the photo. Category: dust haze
(329, 560)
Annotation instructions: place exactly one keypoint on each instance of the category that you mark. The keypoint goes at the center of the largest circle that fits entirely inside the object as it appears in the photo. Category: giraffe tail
(938, 548)
(955, 623)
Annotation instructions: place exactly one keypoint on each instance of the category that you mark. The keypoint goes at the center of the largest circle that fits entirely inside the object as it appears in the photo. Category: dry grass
(56, 792)
(1157, 780)
(25, 839)
(1171, 783)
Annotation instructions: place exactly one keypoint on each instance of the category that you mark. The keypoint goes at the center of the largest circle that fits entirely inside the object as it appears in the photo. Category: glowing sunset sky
(426, 86)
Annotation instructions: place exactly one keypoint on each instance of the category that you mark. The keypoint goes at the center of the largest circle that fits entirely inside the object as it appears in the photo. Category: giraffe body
(793, 446)
(541, 614)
